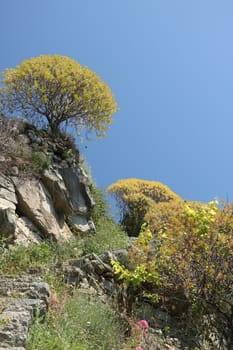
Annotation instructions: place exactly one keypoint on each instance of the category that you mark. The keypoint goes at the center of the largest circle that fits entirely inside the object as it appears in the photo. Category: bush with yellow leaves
(55, 90)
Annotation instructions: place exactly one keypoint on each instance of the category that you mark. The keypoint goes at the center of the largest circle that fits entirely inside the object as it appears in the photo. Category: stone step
(21, 299)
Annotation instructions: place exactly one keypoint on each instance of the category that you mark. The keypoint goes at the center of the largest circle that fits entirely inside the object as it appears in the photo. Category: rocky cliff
(43, 187)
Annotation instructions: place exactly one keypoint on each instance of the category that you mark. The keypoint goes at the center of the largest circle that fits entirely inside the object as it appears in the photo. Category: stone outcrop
(21, 298)
(8, 203)
(92, 272)
(35, 203)
(41, 186)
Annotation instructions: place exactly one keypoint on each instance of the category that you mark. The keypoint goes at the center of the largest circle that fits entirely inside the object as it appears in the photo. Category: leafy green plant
(20, 259)
(40, 161)
(108, 236)
(101, 208)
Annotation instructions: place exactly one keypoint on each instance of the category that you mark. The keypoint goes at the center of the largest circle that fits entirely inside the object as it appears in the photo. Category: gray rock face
(8, 203)
(23, 297)
(36, 204)
(54, 183)
(32, 207)
(16, 318)
(7, 219)
(26, 232)
(91, 273)
(76, 183)
(80, 199)
(71, 195)
(44, 204)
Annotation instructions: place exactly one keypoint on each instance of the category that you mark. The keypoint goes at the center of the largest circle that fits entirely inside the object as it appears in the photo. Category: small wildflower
(143, 324)
(138, 348)
(54, 303)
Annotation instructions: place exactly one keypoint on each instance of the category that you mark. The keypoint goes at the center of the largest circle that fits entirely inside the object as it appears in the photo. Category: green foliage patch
(186, 267)
(82, 323)
(109, 236)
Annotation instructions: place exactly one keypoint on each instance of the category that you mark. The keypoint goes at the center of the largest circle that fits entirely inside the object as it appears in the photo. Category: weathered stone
(109, 287)
(91, 270)
(100, 267)
(27, 286)
(58, 191)
(36, 203)
(62, 191)
(14, 171)
(70, 196)
(7, 183)
(73, 275)
(8, 203)
(121, 255)
(31, 296)
(82, 223)
(7, 221)
(26, 232)
(5, 204)
(76, 183)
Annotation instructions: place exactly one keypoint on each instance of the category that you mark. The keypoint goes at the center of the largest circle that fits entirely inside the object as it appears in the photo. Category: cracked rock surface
(21, 298)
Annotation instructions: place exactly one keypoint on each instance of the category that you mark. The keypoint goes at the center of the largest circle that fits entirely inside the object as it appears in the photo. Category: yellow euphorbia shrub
(54, 90)
(137, 197)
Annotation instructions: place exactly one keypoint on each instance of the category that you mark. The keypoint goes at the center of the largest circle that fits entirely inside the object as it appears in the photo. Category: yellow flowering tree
(54, 90)
(135, 197)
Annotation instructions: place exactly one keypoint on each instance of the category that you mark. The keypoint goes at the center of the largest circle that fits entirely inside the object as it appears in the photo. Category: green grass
(20, 259)
(85, 323)
(108, 236)
(79, 322)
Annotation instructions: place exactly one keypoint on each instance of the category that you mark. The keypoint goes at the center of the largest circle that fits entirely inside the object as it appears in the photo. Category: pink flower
(143, 324)
(138, 348)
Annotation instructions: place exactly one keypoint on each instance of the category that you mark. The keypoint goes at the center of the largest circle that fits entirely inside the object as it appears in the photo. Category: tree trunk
(54, 128)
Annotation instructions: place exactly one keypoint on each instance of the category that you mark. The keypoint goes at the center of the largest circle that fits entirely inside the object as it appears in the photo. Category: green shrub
(135, 197)
(40, 161)
(101, 208)
(108, 236)
(20, 258)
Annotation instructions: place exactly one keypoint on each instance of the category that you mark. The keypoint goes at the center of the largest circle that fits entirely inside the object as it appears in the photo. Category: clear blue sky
(170, 66)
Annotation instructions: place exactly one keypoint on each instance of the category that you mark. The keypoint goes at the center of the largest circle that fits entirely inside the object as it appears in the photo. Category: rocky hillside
(58, 282)
(42, 187)
(45, 195)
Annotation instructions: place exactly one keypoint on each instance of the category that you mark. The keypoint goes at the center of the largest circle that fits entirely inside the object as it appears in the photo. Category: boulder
(41, 185)
(80, 199)
(8, 203)
(71, 196)
(77, 184)
(82, 223)
(54, 183)
(26, 232)
(7, 219)
(32, 299)
(35, 202)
